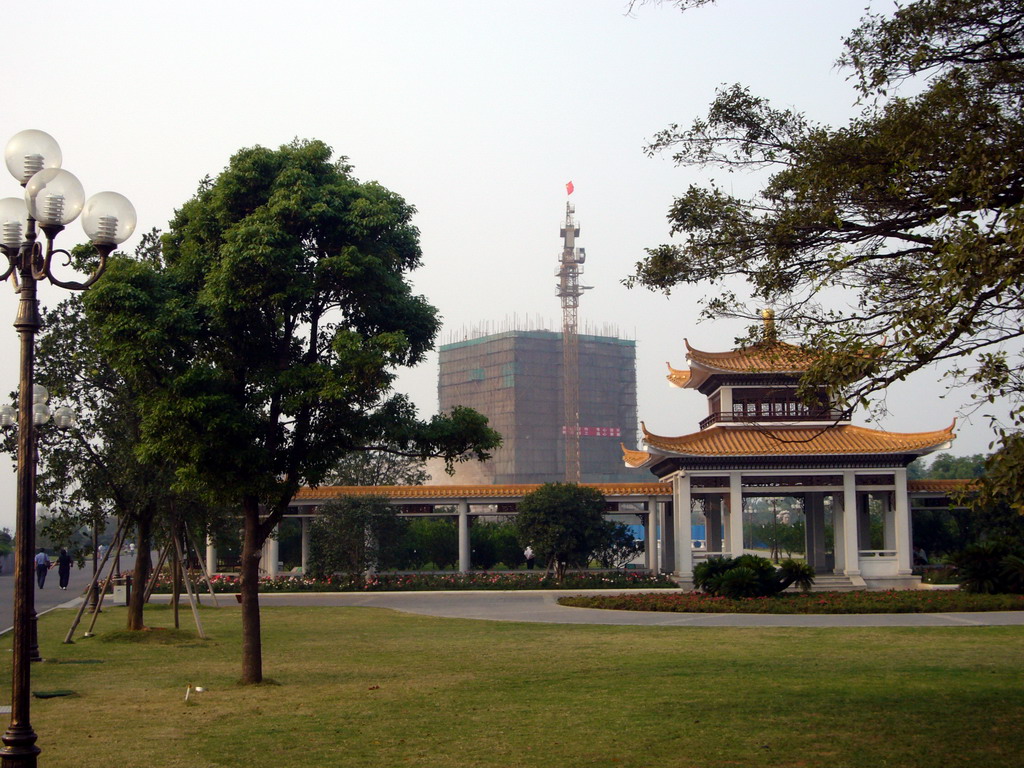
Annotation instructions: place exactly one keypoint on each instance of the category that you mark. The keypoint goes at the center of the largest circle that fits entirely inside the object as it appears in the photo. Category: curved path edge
(542, 606)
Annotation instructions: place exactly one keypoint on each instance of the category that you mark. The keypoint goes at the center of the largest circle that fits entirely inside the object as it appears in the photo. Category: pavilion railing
(827, 414)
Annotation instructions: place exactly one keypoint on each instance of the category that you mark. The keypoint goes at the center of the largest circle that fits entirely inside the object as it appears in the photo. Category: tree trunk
(141, 571)
(252, 545)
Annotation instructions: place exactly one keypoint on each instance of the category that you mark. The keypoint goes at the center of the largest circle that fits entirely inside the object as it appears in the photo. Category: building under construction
(516, 379)
(563, 402)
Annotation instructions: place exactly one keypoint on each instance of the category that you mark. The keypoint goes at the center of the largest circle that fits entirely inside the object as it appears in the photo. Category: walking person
(64, 568)
(42, 566)
(528, 554)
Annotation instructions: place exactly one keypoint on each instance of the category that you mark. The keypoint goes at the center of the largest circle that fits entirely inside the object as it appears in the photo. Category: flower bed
(395, 582)
(905, 601)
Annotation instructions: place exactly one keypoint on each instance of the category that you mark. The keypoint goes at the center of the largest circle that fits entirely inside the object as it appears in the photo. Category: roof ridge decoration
(634, 458)
(760, 357)
(677, 377)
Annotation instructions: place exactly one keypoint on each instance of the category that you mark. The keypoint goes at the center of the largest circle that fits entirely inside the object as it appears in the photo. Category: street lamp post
(41, 413)
(53, 198)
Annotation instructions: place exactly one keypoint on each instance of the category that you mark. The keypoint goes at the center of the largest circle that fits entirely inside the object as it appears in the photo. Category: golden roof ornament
(768, 317)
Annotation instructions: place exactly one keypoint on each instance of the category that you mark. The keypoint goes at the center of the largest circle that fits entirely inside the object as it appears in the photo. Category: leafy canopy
(267, 340)
(892, 243)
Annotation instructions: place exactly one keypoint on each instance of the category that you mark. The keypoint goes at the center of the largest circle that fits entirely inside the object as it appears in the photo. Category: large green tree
(565, 524)
(892, 243)
(267, 341)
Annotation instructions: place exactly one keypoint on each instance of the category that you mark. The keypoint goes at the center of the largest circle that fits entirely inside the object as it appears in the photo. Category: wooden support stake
(202, 567)
(92, 586)
(188, 588)
(119, 541)
(156, 572)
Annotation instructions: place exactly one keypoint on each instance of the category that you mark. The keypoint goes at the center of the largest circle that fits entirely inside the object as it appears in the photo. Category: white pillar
(464, 552)
(901, 519)
(726, 399)
(850, 534)
(273, 554)
(304, 527)
(668, 535)
(839, 543)
(735, 514)
(684, 545)
(651, 535)
(211, 556)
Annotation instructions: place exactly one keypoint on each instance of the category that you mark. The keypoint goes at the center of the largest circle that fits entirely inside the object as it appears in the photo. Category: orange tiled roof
(634, 458)
(762, 357)
(422, 492)
(677, 377)
(796, 441)
(929, 485)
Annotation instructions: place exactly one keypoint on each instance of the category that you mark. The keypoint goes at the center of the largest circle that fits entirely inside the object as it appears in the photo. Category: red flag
(569, 188)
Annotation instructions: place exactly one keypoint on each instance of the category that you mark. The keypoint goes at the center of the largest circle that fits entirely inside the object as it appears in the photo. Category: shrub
(990, 567)
(750, 576)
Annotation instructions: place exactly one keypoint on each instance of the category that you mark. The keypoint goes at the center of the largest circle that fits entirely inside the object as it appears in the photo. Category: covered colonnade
(639, 503)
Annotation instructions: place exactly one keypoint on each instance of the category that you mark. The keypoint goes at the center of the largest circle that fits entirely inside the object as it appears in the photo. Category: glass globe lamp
(13, 222)
(108, 218)
(29, 152)
(54, 197)
(64, 417)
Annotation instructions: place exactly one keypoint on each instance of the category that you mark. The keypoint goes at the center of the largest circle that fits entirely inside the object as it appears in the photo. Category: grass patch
(370, 687)
(896, 601)
(150, 636)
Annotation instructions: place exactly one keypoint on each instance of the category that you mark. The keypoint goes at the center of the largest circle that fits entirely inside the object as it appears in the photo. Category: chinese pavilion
(760, 440)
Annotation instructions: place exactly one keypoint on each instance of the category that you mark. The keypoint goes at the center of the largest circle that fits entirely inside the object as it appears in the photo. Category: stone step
(834, 582)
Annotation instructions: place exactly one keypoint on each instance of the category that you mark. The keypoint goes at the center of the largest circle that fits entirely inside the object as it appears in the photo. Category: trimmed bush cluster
(905, 601)
(750, 576)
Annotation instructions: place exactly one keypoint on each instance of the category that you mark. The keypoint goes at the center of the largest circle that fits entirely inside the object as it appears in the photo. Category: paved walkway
(46, 599)
(541, 606)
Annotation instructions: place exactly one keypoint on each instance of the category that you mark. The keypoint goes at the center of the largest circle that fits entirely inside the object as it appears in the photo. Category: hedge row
(902, 601)
(394, 582)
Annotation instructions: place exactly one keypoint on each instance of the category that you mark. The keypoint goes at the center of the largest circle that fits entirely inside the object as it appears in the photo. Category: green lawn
(369, 687)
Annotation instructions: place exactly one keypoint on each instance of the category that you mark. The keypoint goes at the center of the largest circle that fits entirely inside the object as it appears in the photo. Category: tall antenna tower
(569, 290)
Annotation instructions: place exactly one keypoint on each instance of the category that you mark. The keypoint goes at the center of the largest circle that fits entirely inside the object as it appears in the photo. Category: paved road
(51, 595)
(541, 606)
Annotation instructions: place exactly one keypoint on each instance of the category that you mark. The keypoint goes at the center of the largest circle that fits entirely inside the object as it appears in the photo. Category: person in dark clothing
(64, 568)
(42, 566)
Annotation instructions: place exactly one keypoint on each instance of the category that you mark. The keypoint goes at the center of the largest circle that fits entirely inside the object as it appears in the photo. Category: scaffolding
(515, 379)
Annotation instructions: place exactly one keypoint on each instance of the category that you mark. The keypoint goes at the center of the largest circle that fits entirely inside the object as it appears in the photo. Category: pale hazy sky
(476, 111)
